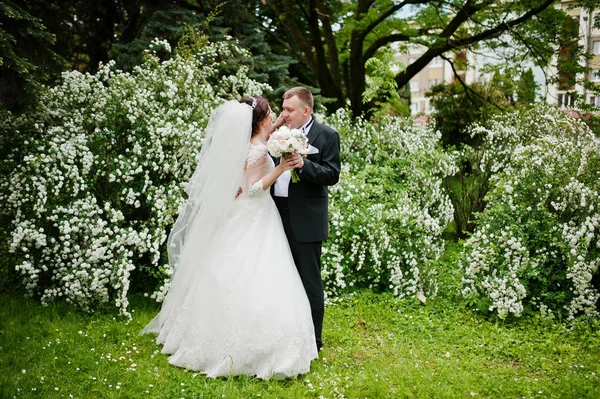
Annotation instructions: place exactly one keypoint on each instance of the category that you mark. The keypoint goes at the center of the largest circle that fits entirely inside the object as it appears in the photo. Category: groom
(303, 205)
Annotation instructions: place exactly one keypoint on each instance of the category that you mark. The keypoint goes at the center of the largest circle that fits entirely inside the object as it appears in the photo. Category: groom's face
(295, 112)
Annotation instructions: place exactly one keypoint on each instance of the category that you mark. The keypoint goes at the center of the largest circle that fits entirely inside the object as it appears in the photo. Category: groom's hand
(294, 161)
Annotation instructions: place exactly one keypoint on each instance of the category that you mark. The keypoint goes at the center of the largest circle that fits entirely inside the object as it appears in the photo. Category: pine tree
(27, 57)
(526, 87)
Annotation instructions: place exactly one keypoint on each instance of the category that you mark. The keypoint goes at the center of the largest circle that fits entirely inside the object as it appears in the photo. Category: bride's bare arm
(254, 170)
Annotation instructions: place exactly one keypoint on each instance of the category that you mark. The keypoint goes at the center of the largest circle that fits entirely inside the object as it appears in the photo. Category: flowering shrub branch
(388, 211)
(537, 242)
(107, 156)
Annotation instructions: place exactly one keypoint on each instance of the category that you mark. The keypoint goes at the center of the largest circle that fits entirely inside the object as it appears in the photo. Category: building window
(566, 100)
(595, 77)
(414, 108)
(433, 82)
(414, 85)
(592, 100)
(436, 62)
(596, 47)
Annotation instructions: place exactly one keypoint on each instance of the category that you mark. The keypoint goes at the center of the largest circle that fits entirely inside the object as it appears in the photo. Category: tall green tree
(85, 33)
(526, 87)
(334, 39)
(27, 58)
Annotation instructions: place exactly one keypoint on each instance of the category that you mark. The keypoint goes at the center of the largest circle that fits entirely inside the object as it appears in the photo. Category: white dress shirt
(282, 183)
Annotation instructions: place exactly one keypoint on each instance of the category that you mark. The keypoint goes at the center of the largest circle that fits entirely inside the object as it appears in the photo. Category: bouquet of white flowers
(285, 141)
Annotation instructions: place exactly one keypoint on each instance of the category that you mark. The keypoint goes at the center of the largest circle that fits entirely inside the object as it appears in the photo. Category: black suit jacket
(307, 199)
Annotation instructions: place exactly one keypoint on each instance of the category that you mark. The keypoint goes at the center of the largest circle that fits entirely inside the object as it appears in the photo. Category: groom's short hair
(303, 94)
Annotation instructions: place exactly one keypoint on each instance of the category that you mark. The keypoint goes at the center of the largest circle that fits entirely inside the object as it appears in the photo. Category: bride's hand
(292, 161)
(279, 122)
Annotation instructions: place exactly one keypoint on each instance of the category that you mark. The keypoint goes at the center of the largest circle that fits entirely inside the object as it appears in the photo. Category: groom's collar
(306, 127)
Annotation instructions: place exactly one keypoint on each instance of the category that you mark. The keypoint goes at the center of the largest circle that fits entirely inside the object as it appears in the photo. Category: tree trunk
(102, 19)
(357, 75)
(356, 67)
(324, 17)
(326, 81)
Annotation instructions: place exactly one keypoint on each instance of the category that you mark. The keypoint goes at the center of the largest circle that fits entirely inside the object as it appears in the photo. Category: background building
(437, 71)
(561, 94)
(584, 35)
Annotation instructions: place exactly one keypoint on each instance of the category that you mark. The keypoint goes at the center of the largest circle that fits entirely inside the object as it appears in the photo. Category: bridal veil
(211, 192)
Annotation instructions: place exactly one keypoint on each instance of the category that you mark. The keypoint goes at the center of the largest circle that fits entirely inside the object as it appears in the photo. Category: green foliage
(26, 56)
(460, 111)
(99, 168)
(382, 89)
(334, 40)
(217, 20)
(527, 87)
(458, 105)
(86, 34)
(169, 25)
(468, 188)
(536, 245)
(388, 211)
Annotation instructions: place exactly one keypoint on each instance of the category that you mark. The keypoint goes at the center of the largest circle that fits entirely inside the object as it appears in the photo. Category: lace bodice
(258, 164)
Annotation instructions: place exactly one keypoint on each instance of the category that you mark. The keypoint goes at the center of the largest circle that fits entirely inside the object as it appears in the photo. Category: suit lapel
(314, 132)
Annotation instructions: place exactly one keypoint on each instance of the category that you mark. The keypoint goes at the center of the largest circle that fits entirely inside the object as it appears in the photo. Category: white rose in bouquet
(285, 141)
(284, 133)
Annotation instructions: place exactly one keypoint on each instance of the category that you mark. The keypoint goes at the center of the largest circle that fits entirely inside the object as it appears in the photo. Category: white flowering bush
(389, 210)
(98, 178)
(537, 244)
(493, 147)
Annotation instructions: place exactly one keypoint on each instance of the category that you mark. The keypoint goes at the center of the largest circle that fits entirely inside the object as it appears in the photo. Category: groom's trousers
(307, 257)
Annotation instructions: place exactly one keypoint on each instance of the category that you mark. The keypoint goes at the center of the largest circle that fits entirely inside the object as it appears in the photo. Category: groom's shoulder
(325, 128)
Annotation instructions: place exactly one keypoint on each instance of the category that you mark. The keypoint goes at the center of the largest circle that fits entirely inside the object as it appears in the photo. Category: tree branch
(388, 13)
(363, 7)
(380, 42)
(298, 36)
(306, 14)
(503, 27)
(437, 50)
(467, 88)
(332, 49)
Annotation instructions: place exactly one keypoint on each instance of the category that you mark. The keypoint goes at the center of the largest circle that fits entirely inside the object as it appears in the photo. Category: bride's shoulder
(258, 146)
(256, 151)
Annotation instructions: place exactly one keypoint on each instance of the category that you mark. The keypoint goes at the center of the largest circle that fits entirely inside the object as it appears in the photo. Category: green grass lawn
(375, 347)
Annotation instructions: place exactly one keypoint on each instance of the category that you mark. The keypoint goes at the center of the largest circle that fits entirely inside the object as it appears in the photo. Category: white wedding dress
(242, 308)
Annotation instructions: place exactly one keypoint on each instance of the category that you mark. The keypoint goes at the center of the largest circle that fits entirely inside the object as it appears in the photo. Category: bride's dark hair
(260, 111)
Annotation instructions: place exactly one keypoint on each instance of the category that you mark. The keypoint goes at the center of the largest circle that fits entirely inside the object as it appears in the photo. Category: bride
(236, 304)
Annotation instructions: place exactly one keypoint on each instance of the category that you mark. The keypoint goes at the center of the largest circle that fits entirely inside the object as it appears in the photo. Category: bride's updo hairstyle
(259, 112)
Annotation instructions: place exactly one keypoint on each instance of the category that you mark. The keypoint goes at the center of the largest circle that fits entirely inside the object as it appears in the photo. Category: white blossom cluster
(388, 211)
(285, 141)
(107, 158)
(537, 242)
